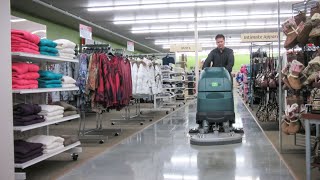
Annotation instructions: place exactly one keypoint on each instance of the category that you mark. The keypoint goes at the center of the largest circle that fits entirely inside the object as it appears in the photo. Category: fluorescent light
(200, 19)
(38, 31)
(208, 40)
(17, 20)
(240, 27)
(157, 5)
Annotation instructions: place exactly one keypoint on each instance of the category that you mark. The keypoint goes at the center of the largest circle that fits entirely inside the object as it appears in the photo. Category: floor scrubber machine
(215, 109)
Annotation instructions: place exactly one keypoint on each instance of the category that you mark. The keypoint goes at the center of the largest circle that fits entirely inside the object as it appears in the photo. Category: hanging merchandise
(104, 79)
(168, 60)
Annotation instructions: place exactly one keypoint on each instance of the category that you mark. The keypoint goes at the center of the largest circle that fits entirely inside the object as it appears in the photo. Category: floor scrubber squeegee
(215, 109)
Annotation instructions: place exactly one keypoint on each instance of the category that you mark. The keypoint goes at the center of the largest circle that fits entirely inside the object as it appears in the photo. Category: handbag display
(315, 9)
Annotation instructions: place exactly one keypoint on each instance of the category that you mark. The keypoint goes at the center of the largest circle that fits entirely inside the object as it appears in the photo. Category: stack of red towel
(23, 41)
(24, 76)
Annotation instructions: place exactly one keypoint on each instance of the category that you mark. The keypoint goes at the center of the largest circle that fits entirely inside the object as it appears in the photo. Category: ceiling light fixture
(200, 19)
(181, 4)
(17, 20)
(240, 27)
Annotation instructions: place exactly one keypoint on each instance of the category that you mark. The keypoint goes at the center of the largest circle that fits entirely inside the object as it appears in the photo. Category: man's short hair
(220, 36)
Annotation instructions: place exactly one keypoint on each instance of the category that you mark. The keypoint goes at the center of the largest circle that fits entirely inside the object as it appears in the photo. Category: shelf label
(85, 31)
(259, 37)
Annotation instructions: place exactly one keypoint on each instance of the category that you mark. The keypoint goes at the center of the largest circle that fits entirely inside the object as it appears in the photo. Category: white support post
(196, 36)
(6, 133)
(280, 79)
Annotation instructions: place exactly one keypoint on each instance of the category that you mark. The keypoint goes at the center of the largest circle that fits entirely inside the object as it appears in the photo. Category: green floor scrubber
(215, 109)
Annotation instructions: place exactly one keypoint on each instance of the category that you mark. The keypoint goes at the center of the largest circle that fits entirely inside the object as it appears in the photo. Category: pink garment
(29, 86)
(20, 40)
(22, 49)
(25, 35)
(17, 81)
(24, 45)
(22, 68)
(27, 76)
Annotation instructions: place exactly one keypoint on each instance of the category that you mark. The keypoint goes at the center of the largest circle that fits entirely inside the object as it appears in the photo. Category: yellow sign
(259, 37)
(184, 48)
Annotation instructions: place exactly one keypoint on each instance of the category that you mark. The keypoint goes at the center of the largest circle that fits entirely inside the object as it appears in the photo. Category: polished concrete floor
(163, 152)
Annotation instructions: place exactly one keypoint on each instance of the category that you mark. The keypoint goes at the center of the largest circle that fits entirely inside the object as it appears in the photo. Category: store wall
(239, 59)
(57, 31)
(6, 132)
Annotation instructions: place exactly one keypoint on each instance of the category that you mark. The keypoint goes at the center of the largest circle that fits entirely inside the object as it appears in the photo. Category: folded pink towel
(21, 49)
(16, 81)
(29, 86)
(27, 76)
(25, 35)
(15, 44)
(19, 39)
(22, 68)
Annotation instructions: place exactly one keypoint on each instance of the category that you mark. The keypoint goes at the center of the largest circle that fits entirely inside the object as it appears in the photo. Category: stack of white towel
(50, 143)
(51, 112)
(66, 48)
(68, 81)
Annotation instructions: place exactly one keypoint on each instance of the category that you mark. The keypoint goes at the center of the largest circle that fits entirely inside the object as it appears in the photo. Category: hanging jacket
(142, 79)
(158, 81)
(134, 74)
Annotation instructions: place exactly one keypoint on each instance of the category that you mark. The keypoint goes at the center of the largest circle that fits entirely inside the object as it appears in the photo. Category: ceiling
(167, 22)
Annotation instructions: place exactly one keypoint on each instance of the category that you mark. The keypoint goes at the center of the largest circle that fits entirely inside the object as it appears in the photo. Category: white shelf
(46, 156)
(45, 123)
(37, 58)
(43, 90)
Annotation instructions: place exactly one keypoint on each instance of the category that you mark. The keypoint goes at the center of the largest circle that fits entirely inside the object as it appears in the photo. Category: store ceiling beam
(91, 23)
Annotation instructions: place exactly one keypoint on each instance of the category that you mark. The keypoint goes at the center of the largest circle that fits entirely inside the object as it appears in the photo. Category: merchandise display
(135, 89)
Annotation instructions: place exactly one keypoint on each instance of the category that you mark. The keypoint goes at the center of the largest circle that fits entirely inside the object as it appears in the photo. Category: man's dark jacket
(220, 59)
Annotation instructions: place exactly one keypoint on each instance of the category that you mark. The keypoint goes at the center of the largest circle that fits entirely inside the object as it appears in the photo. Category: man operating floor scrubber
(215, 106)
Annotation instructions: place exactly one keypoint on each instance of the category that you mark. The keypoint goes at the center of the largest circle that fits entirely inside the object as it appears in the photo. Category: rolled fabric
(20, 118)
(48, 53)
(24, 45)
(23, 156)
(67, 51)
(49, 151)
(18, 39)
(48, 43)
(23, 68)
(26, 109)
(25, 35)
(22, 49)
(45, 140)
(27, 123)
(26, 76)
(23, 147)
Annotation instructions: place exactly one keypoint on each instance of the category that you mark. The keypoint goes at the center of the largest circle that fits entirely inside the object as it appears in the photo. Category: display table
(310, 119)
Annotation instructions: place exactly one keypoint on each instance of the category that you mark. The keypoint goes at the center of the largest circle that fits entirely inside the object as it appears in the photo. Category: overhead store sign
(259, 37)
(85, 31)
(184, 48)
(130, 46)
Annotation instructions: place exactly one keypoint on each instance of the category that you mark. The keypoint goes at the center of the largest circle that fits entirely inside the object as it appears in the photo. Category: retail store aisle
(163, 152)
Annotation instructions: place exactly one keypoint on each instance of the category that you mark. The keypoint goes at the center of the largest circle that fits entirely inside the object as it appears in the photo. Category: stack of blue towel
(49, 79)
(48, 47)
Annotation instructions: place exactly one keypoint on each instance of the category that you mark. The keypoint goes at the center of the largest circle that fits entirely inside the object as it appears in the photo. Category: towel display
(26, 151)
(51, 114)
(26, 114)
(26, 109)
(26, 76)
(48, 47)
(69, 139)
(18, 81)
(68, 80)
(29, 86)
(66, 48)
(69, 110)
(52, 118)
(48, 151)
(68, 85)
(46, 82)
(49, 75)
(45, 140)
(23, 68)
(50, 108)
(23, 41)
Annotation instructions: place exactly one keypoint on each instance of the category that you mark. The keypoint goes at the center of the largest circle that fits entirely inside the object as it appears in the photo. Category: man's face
(220, 43)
